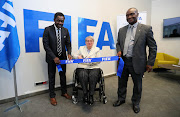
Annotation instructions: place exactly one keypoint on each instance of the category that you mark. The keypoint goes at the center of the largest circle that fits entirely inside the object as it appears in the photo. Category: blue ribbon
(91, 60)
(120, 67)
(59, 68)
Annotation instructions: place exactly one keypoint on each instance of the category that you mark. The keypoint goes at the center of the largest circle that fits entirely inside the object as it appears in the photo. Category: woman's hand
(80, 57)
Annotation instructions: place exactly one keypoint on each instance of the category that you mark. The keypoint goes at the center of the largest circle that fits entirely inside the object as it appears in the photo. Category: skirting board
(40, 92)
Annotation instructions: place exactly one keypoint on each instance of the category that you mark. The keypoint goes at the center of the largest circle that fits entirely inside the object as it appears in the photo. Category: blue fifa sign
(82, 33)
(33, 33)
(82, 29)
(105, 28)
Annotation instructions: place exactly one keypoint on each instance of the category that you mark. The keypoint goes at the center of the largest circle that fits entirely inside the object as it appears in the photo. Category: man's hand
(69, 57)
(119, 54)
(148, 68)
(56, 60)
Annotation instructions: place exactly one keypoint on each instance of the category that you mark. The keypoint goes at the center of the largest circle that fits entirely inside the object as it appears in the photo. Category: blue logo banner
(9, 42)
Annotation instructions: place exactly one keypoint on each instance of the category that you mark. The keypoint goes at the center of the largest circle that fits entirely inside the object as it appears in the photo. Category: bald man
(131, 46)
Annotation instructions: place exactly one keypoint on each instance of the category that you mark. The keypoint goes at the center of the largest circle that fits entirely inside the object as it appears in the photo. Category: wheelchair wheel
(100, 93)
(75, 95)
(103, 91)
(102, 96)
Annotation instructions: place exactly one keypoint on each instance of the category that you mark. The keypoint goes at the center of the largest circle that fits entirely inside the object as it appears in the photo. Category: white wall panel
(31, 67)
(164, 9)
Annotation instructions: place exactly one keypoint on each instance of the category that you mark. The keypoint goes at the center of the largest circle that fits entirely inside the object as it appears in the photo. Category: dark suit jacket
(50, 43)
(144, 37)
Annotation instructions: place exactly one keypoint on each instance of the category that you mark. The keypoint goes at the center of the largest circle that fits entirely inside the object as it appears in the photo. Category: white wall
(163, 9)
(31, 67)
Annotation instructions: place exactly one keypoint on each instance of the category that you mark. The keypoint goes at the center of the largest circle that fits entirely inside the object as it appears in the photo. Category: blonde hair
(89, 37)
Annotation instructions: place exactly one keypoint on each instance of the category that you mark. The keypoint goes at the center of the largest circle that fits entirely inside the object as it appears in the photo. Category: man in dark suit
(55, 39)
(131, 46)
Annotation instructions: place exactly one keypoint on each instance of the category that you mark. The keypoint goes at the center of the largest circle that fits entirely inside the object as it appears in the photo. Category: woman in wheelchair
(88, 72)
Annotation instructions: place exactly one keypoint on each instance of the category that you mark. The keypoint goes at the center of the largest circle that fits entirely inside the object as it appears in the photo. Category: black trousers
(51, 75)
(122, 82)
(86, 76)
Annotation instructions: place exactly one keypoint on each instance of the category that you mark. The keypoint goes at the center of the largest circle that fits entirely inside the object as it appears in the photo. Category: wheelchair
(100, 87)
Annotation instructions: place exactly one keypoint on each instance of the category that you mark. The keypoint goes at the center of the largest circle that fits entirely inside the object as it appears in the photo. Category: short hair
(58, 14)
(90, 37)
(133, 8)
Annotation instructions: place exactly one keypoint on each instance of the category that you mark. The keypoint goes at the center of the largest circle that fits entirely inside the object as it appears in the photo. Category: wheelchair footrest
(104, 99)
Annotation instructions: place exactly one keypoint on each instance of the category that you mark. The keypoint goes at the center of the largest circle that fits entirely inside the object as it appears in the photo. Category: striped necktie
(59, 48)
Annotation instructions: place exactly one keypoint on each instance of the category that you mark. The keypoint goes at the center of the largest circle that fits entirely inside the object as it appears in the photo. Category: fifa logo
(7, 20)
(33, 32)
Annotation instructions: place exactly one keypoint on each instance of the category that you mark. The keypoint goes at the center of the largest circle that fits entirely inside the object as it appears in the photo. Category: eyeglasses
(89, 40)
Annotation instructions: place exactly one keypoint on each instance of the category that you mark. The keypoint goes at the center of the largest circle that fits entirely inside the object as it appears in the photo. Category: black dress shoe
(136, 108)
(118, 103)
(91, 100)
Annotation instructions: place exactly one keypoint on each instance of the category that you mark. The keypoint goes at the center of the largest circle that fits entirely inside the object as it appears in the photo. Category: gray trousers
(122, 82)
(86, 76)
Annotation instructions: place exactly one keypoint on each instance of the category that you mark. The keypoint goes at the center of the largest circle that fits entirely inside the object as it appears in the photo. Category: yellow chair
(162, 58)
